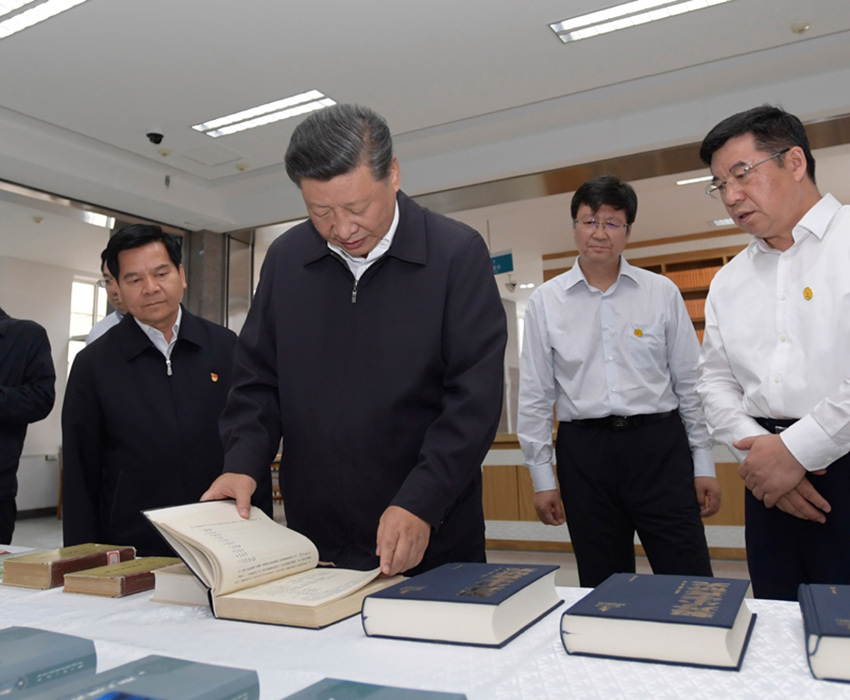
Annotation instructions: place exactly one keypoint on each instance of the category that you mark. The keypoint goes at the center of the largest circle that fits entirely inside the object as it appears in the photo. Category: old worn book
(8, 551)
(471, 603)
(47, 569)
(33, 659)
(162, 678)
(176, 584)
(117, 580)
(337, 689)
(826, 621)
(260, 571)
(662, 618)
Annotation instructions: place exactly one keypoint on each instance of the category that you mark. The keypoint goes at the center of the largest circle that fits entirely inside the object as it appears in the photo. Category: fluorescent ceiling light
(694, 180)
(722, 222)
(95, 219)
(265, 114)
(625, 15)
(37, 12)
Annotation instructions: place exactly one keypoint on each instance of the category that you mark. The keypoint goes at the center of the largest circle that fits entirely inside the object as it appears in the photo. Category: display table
(534, 666)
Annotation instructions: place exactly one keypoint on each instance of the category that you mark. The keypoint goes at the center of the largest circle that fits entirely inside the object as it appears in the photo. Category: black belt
(775, 425)
(617, 423)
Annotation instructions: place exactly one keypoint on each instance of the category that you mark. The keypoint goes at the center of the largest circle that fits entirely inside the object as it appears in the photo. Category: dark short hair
(336, 140)
(136, 236)
(103, 259)
(606, 189)
(773, 130)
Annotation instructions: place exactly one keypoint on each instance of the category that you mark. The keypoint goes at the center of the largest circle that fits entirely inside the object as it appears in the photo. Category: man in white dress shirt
(612, 348)
(114, 294)
(775, 373)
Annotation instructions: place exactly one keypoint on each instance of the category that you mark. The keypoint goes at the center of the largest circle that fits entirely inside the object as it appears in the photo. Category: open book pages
(313, 599)
(314, 587)
(228, 552)
(260, 570)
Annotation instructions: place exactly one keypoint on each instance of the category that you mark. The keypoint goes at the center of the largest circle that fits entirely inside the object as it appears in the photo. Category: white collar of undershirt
(158, 337)
(359, 264)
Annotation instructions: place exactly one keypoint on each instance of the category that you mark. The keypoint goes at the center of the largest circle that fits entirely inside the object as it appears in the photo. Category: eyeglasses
(740, 174)
(590, 225)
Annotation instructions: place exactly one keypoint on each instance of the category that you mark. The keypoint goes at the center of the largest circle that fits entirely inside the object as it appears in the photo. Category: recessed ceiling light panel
(33, 13)
(625, 15)
(265, 114)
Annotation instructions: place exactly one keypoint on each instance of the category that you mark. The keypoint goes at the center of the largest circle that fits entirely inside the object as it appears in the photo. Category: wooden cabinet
(508, 497)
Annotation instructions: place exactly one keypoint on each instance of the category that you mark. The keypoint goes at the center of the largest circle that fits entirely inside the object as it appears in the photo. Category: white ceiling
(473, 91)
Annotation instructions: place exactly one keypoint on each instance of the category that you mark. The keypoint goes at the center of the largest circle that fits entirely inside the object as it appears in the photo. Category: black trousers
(616, 483)
(784, 551)
(8, 512)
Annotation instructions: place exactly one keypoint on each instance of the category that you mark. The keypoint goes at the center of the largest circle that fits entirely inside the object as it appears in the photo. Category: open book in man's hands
(260, 571)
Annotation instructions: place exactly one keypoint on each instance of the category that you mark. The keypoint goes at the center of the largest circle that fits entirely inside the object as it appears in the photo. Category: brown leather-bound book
(47, 569)
(118, 580)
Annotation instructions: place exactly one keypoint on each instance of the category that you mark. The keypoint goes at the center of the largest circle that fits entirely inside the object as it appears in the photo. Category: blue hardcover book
(163, 678)
(33, 659)
(826, 621)
(479, 604)
(661, 618)
(336, 689)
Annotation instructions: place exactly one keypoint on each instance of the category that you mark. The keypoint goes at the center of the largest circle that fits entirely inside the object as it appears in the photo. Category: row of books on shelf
(268, 573)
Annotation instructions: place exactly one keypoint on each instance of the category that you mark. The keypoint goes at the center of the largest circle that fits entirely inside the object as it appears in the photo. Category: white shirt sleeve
(535, 420)
(682, 359)
(721, 393)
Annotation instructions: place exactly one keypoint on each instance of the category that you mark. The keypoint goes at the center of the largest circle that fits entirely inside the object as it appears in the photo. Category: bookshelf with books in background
(692, 273)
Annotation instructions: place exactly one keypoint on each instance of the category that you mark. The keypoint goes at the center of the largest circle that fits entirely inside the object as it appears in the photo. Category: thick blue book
(478, 604)
(336, 689)
(163, 678)
(33, 659)
(664, 619)
(826, 621)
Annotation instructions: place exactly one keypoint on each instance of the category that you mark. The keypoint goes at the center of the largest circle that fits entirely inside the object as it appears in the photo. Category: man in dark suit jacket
(140, 418)
(26, 396)
(374, 347)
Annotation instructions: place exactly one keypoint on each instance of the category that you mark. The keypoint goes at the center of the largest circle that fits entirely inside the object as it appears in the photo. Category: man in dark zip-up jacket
(374, 347)
(141, 410)
(27, 394)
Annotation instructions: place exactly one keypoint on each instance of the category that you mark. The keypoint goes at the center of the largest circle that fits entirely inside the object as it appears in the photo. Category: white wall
(41, 293)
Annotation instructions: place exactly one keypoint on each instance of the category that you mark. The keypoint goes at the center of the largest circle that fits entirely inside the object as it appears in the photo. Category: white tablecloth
(534, 666)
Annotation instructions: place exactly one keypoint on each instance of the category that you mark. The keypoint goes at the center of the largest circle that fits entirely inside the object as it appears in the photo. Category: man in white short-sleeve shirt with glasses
(775, 366)
(611, 347)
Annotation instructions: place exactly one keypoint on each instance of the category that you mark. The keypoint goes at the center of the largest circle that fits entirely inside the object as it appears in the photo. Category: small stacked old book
(663, 618)
(47, 569)
(118, 580)
(176, 584)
